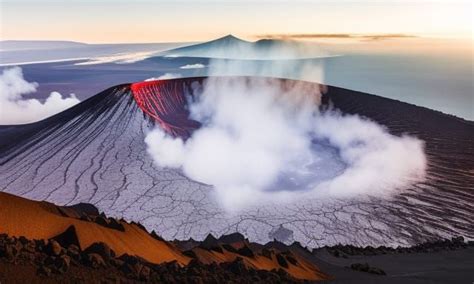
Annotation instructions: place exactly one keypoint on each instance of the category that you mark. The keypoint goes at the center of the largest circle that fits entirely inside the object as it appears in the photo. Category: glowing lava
(165, 101)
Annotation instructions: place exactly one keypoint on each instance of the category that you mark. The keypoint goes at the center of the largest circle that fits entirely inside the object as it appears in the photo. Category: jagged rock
(113, 224)
(267, 253)
(209, 242)
(23, 240)
(194, 263)
(30, 246)
(190, 253)
(41, 245)
(217, 249)
(155, 236)
(7, 251)
(231, 238)
(68, 237)
(238, 266)
(94, 260)
(74, 252)
(291, 260)
(84, 209)
(26, 256)
(140, 226)
(101, 220)
(364, 267)
(360, 267)
(116, 262)
(54, 248)
(145, 273)
(281, 260)
(62, 263)
(129, 259)
(229, 248)
(173, 266)
(101, 249)
(246, 251)
(375, 270)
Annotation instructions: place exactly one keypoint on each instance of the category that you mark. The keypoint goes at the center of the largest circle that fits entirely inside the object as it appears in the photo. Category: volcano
(95, 152)
(231, 47)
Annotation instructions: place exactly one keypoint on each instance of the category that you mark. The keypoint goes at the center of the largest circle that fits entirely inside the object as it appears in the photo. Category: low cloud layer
(165, 77)
(14, 109)
(120, 58)
(264, 141)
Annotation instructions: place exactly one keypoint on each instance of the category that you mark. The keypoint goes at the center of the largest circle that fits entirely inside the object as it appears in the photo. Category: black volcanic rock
(231, 238)
(94, 260)
(364, 267)
(68, 237)
(101, 249)
(209, 242)
(281, 260)
(54, 248)
(84, 209)
(245, 251)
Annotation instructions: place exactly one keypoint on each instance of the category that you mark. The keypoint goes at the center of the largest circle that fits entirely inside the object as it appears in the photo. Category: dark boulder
(281, 260)
(54, 248)
(246, 251)
(68, 237)
(94, 260)
(101, 249)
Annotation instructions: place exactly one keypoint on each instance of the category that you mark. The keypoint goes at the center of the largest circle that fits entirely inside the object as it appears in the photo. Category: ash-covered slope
(95, 152)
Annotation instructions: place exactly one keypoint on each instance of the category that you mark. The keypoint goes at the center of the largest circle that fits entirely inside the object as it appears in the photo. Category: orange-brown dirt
(35, 220)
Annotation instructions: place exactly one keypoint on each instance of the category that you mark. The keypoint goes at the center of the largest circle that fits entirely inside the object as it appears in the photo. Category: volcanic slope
(95, 153)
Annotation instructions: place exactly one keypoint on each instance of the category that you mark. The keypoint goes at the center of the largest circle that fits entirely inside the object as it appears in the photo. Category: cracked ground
(96, 153)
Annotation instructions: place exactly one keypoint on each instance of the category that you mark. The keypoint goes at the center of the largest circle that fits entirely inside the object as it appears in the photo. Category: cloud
(343, 36)
(265, 141)
(14, 109)
(193, 66)
(119, 58)
(165, 77)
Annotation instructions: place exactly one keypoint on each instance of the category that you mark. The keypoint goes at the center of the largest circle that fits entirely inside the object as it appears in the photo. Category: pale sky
(107, 21)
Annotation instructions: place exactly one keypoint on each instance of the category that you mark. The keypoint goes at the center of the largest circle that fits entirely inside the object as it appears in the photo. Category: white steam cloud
(266, 141)
(14, 109)
(193, 66)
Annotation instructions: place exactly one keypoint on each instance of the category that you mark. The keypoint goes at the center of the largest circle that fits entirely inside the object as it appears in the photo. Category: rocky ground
(23, 260)
(47, 261)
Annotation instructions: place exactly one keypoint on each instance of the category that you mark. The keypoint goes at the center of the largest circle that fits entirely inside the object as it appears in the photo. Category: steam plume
(266, 141)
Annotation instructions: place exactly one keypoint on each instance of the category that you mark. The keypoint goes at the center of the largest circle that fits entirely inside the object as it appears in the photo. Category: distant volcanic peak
(165, 102)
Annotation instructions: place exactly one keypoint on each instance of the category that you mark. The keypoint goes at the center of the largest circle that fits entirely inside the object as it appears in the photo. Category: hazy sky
(158, 21)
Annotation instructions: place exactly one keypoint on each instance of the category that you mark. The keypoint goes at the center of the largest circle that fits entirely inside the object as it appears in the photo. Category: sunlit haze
(170, 21)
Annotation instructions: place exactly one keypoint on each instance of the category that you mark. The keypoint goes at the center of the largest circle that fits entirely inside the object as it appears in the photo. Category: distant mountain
(37, 44)
(231, 47)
